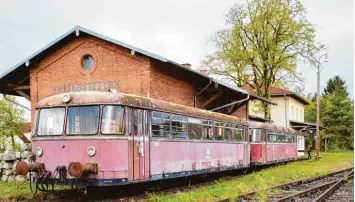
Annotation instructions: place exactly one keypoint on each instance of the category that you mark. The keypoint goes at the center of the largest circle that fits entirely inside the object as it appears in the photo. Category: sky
(178, 30)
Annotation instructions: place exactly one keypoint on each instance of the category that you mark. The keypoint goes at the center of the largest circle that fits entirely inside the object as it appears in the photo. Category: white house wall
(296, 110)
(279, 112)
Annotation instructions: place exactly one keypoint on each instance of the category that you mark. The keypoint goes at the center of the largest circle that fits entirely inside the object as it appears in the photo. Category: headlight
(39, 151)
(66, 98)
(91, 151)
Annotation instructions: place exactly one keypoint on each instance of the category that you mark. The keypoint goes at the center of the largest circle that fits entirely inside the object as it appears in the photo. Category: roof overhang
(293, 95)
(19, 74)
(304, 126)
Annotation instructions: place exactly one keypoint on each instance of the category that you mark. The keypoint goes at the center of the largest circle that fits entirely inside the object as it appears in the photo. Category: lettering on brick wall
(92, 86)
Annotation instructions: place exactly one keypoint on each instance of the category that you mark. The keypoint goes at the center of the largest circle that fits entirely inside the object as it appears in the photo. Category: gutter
(16, 103)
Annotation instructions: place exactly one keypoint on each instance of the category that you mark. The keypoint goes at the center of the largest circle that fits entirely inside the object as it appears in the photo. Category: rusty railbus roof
(96, 97)
(255, 124)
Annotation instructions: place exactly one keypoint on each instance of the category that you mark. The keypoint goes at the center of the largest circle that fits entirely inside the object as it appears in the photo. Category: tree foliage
(262, 44)
(336, 115)
(336, 85)
(11, 121)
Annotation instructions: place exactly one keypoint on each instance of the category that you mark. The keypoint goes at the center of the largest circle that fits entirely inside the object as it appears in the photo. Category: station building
(83, 60)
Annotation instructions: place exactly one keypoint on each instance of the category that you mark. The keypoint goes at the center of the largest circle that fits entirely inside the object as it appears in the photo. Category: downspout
(18, 104)
(286, 111)
(227, 105)
(195, 97)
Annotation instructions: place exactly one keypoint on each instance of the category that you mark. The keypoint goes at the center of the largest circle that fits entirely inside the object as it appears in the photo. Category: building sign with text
(91, 86)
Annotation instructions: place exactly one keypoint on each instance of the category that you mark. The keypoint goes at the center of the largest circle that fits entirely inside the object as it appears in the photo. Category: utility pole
(318, 104)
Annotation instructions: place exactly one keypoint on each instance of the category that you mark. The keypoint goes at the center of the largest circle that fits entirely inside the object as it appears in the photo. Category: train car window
(51, 121)
(113, 120)
(204, 132)
(135, 122)
(211, 133)
(278, 138)
(83, 120)
(178, 126)
(194, 128)
(256, 136)
(145, 123)
(238, 133)
(160, 124)
(250, 133)
(130, 121)
(141, 122)
(208, 131)
(219, 131)
(272, 137)
(228, 131)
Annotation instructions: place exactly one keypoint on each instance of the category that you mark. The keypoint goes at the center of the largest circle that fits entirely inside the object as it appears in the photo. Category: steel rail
(331, 189)
(246, 195)
(306, 191)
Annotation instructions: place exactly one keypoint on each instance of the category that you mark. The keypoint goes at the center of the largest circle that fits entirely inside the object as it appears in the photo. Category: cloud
(177, 30)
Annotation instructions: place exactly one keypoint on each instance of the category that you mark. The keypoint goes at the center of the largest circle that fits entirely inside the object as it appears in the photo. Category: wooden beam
(26, 87)
(24, 80)
(211, 99)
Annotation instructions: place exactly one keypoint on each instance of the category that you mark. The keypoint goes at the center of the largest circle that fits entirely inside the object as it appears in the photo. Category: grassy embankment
(13, 191)
(262, 179)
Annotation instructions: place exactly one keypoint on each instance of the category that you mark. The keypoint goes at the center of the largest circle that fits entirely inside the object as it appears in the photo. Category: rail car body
(107, 139)
(110, 139)
(271, 144)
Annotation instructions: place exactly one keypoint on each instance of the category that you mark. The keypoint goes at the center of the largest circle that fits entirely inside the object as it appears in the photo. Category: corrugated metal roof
(120, 43)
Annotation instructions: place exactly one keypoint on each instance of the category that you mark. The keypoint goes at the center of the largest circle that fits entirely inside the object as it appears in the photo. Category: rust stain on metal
(88, 98)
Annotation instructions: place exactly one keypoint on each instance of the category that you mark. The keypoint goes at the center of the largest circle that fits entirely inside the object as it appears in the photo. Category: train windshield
(83, 120)
(113, 120)
(51, 121)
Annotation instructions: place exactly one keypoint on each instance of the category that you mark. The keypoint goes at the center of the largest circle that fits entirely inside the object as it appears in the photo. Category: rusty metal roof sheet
(95, 97)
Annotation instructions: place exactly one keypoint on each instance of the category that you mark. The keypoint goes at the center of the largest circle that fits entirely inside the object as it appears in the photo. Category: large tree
(261, 45)
(336, 115)
(11, 123)
(336, 85)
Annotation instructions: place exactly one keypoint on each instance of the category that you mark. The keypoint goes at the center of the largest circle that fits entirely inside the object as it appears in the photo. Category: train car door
(138, 144)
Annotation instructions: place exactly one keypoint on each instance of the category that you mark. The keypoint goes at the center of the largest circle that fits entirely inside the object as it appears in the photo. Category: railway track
(310, 189)
(177, 187)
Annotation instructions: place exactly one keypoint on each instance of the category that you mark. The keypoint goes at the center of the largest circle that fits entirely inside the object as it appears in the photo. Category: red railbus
(271, 144)
(111, 139)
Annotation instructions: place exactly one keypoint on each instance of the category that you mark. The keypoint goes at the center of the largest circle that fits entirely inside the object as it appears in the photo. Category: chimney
(203, 71)
(187, 65)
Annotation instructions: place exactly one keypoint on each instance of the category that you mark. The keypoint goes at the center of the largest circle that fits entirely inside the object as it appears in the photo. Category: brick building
(82, 60)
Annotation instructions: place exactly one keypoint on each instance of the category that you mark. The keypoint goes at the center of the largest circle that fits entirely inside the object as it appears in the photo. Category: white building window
(301, 115)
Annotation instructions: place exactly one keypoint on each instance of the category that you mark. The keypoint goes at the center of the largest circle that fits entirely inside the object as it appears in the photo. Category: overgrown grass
(20, 191)
(262, 179)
